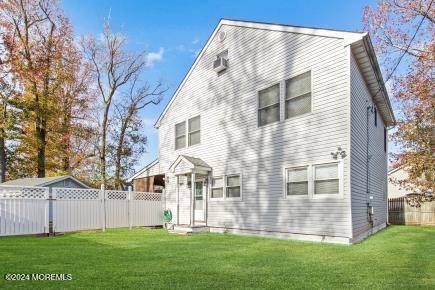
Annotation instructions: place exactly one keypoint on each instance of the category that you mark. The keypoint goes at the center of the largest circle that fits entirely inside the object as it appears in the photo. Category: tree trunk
(119, 148)
(103, 144)
(41, 142)
(3, 146)
(118, 168)
(2, 157)
(66, 144)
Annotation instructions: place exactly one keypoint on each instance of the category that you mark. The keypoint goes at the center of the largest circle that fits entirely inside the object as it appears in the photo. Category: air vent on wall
(221, 36)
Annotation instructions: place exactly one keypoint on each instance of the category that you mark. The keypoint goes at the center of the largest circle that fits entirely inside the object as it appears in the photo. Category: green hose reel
(167, 215)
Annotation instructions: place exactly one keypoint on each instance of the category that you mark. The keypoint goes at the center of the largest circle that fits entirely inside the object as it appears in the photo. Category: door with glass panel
(199, 201)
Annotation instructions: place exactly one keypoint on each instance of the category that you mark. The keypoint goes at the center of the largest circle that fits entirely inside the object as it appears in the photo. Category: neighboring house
(148, 179)
(278, 130)
(50, 182)
(56, 181)
(394, 189)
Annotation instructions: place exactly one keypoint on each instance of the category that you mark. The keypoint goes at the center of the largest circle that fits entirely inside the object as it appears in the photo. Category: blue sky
(174, 31)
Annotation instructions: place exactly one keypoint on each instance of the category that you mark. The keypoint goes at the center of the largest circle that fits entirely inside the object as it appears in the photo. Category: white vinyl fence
(23, 210)
(26, 210)
(85, 209)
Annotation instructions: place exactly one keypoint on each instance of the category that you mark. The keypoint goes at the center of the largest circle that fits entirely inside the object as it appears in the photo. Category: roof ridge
(288, 25)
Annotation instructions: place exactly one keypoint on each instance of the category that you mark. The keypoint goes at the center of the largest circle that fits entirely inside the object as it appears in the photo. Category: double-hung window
(233, 186)
(385, 139)
(298, 95)
(375, 112)
(297, 181)
(217, 188)
(180, 135)
(326, 179)
(194, 131)
(268, 105)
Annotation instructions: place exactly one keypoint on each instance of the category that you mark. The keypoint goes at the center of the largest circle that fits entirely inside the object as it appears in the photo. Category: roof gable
(349, 37)
(183, 163)
(146, 168)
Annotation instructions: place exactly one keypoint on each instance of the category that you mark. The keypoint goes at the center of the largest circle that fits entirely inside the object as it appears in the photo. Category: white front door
(199, 201)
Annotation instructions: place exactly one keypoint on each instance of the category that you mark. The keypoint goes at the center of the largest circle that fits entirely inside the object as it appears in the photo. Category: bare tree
(113, 68)
(128, 124)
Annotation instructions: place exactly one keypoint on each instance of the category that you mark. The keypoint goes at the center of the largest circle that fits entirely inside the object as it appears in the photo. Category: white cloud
(181, 48)
(194, 52)
(153, 57)
(195, 41)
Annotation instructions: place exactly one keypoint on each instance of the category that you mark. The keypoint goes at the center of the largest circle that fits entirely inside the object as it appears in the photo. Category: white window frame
(279, 83)
(340, 180)
(188, 132)
(285, 99)
(223, 187)
(185, 135)
(285, 178)
(240, 185)
(311, 172)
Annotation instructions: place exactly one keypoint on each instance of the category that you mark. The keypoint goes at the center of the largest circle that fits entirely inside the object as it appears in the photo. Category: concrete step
(183, 229)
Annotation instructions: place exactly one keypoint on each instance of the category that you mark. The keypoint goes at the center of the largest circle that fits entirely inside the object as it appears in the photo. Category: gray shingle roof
(196, 161)
(37, 181)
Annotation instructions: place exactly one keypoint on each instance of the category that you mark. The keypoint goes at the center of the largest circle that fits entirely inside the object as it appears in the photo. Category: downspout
(368, 157)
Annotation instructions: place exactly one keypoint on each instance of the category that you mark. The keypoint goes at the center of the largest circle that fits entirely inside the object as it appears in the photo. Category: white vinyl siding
(180, 135)
(377, 162)
(297, 181)
(268, 105)
(233, 143)
(298, 95)
(217, 190)
(194, 131)
(233, 188)
(326, 179)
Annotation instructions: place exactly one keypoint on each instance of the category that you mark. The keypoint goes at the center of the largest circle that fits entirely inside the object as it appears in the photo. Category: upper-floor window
(180, 135)
(326, 179)
(298, 95)
(375, 112)
(385, 139)
(194, 131)
(268, 105)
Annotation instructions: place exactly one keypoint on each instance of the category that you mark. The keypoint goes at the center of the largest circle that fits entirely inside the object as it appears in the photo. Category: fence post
(103, 206)
(47, 211)
(129, 198)
(52, 230)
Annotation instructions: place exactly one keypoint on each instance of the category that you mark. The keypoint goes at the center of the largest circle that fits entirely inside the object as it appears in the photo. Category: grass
(399, 257)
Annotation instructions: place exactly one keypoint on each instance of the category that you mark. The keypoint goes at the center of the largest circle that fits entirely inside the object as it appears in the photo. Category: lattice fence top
(89, 194)
(151, 196)
(24, 192)
(118, 195)
(76, 193)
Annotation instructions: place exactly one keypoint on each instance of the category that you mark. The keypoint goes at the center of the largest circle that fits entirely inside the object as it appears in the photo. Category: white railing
(23, 210)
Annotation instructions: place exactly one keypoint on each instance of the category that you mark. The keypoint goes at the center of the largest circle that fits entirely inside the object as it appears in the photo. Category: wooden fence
(401, 213)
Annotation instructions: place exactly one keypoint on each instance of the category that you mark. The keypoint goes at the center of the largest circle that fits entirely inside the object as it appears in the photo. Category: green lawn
(398, 257)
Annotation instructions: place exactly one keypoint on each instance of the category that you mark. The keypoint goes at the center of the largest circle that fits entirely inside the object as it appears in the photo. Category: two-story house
(278, 130)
